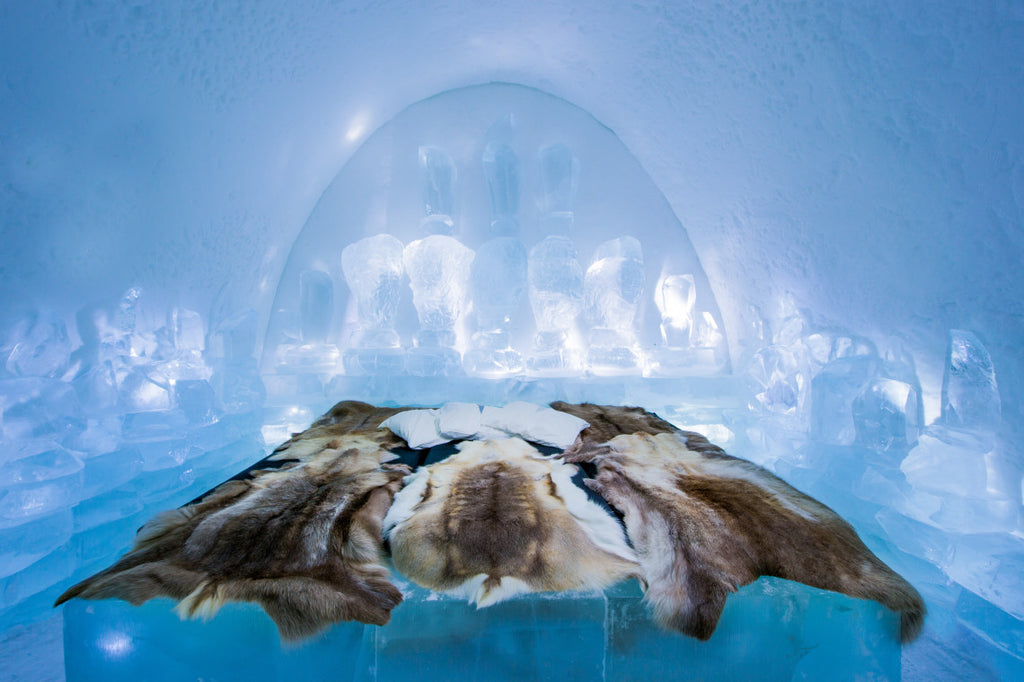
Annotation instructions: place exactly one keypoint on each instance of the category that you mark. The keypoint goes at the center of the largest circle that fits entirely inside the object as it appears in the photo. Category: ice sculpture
(498, 276)
(613, 290)
(439, 267)
(554, 273)
(316, 310)
(373, 268)
(692, 342)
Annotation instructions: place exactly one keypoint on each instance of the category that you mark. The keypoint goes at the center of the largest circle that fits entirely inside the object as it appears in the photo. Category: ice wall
(865, 159)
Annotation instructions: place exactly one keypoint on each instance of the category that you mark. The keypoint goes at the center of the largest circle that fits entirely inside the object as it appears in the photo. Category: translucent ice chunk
(946, 462)
(187, 329)
(37, 408)
(438, 268)
(24, 544)
(970, 396)
(373, 269)
(234, 337)
(614, 284)
(498, 280)
(501, 168)
(96, 387)
(145, 390)
(39, 485)
(675, 298)
(39, 346)
(991, 566)
(777, 379)
(833, 391)
(556, 284)
(559, 177)
(885, 415)
(438, 176)
(316, 305)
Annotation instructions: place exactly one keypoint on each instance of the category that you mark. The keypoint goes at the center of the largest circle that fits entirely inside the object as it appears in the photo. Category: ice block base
(772, 629)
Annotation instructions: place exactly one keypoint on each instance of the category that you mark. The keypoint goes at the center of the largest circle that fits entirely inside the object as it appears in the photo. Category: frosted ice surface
(501, 169)
(373, 269)
(35, 410)
(39, 485)
(187, 326)
(559, 177)
(316, 305)
(970, 396)
(106, 471)
(885, 415)
(833, 391)
(144, 390)
(948, 462)
(614, 284)
(439, 175)
(556, 284)
(438, 268)
(234, 337)
(23, 544)
(991, 566)
(96, 386)
(497, 282)
(38, 346)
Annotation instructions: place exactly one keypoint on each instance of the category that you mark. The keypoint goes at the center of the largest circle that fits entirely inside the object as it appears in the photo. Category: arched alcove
(380, 191)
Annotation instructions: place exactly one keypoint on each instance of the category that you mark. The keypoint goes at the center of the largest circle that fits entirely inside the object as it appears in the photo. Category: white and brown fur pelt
(302, 539)
(497, 519)
(704, 523)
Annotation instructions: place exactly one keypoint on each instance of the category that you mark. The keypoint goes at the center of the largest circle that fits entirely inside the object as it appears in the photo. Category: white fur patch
(600, 527)
(404, 504)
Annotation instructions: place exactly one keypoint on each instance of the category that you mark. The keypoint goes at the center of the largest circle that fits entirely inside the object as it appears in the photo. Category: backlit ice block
(970, 396)
(772, 629)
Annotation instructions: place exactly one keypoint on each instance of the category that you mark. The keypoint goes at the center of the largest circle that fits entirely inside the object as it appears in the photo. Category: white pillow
(418, 428)
(458, 420)
(535, 423)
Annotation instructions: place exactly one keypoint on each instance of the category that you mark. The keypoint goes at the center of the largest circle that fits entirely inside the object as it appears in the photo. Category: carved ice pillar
(499, 271)
(438, 267)
(554, 272)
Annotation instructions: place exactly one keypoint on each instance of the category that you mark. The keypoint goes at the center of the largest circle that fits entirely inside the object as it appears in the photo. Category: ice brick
(24, 544)
(947, 461)
(614, 284)
(970, 396)
(778, 380)
(109, 470)
(144, 390)
(38, 485)
(833, 391)
(991, 566)
(38, 346)
(885, 415)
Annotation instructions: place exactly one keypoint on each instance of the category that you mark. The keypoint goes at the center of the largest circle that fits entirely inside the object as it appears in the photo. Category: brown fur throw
(301, 533)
